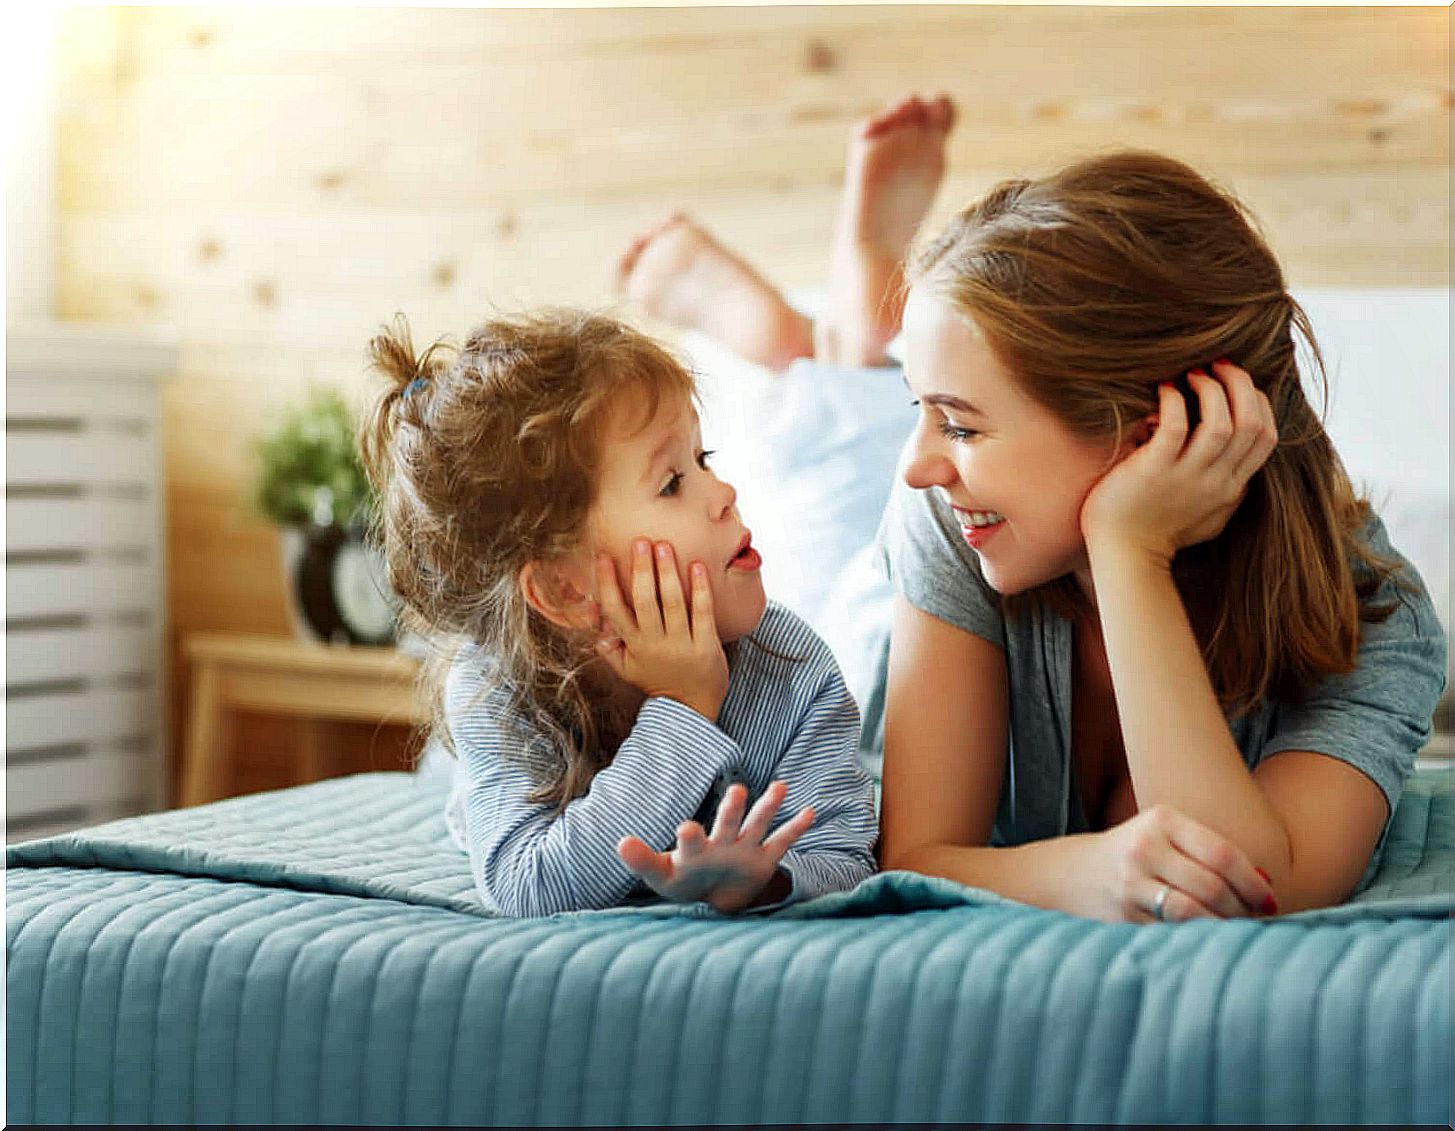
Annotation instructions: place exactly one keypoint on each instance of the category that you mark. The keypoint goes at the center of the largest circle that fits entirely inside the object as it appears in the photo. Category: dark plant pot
(338, 587)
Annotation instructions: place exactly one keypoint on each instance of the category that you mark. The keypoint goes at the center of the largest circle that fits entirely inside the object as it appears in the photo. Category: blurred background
(238, 197)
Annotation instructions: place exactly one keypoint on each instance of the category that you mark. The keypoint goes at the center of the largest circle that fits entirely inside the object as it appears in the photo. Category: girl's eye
(671, 486)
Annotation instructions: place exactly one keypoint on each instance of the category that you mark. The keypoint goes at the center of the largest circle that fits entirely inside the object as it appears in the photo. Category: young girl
(618, 677)
(1151, 658)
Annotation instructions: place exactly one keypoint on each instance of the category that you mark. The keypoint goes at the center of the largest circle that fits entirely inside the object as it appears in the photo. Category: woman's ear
(552, 590)
(1142, 431)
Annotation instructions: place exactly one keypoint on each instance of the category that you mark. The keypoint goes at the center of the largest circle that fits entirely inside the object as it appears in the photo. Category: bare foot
(896, 160)
(678, 273)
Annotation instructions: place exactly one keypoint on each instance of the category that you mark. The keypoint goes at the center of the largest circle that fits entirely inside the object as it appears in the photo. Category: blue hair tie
(417, 383)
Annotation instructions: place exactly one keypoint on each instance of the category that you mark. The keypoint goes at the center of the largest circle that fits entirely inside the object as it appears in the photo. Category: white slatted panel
(83, 578)
(60, 589)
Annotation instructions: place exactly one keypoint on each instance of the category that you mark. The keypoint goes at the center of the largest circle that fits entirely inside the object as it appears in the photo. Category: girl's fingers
(644, 588)
(730, 815)
(674, 605)
(1227, 860)
(638, 856)
(784, 836)
(1214, 432)
(690, 840)
(703, 619)
(613, 607)
(755, 828)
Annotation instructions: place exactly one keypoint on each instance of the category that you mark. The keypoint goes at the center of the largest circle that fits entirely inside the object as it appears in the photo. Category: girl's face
(657, 483)
(993, 453)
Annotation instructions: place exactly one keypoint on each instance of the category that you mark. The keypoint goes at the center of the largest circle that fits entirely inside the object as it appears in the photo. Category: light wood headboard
(276, 182)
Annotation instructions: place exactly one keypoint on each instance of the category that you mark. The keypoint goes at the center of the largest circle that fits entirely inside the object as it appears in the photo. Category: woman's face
(994, 454)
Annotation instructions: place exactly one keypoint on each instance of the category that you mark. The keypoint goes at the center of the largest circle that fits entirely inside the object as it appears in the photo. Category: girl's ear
(551, 590)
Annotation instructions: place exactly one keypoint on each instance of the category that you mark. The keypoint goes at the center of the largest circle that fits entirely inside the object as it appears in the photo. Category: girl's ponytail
(391, 354)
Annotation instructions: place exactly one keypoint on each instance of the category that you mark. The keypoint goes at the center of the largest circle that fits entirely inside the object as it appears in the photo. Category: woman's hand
(656, 645)
(1174, 492)
(1205, 875)
(730, 868)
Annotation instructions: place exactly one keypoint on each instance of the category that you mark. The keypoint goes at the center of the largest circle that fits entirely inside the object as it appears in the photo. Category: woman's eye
(670, 487)
(959, 435)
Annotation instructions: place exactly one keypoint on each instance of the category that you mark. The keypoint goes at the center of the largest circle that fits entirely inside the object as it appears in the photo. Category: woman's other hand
(1205, 875)
(730, 869)
(1176, 491)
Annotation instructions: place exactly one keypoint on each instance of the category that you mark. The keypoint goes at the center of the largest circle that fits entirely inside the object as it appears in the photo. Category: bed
(317, 956)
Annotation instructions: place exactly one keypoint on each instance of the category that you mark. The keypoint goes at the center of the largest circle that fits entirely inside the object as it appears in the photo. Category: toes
(942, 113)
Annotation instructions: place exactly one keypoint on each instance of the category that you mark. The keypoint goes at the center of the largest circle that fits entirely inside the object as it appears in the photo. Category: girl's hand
(656, 645)
(1174, 492)
(728, 869)
(1206, 875)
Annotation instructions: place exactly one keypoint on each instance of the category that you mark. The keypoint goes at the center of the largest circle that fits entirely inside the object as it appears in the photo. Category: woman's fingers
(644, 588)
(1177, 905)
(669, 586)
(1214, 433)
(1201, 885)
(1171, 432)
(1226, 860)
(1257, 430)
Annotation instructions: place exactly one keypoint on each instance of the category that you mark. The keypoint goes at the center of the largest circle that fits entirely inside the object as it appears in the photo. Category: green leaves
(309, 467)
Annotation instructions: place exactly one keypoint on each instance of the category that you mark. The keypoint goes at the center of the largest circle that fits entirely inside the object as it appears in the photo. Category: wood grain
(275, 184)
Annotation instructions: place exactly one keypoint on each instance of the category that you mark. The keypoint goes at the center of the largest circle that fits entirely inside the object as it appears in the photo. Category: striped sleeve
(837, 852)
(530, 860)
(815, 757)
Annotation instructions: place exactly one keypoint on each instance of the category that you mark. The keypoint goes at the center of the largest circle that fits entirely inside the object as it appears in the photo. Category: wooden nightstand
(314, 683)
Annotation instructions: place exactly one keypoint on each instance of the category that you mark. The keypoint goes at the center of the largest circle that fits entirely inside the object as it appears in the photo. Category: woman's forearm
(1045, 873)
(1179, 749)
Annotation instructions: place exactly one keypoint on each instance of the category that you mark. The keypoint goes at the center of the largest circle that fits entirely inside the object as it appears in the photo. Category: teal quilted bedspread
(317, 956)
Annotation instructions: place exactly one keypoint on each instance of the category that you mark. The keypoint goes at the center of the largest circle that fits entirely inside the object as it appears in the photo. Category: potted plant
(312, 484)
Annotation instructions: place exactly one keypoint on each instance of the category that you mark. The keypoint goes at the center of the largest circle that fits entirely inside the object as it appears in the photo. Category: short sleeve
(919, 548)
(1377, 717)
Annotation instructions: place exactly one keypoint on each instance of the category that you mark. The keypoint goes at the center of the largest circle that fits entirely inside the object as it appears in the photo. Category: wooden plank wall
(276, 182)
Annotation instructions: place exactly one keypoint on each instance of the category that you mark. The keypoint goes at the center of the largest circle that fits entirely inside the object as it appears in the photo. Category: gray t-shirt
(1375, 718)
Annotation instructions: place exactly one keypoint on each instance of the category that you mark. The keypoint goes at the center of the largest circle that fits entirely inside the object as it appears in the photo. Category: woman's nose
(927, 467)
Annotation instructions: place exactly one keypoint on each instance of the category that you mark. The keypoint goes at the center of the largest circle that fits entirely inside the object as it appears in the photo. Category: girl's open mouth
(746, 558)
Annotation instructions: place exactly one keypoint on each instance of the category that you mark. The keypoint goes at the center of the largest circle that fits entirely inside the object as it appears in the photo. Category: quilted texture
(317, 956)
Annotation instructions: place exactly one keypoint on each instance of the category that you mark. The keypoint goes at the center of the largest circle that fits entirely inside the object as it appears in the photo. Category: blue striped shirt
(792, 720)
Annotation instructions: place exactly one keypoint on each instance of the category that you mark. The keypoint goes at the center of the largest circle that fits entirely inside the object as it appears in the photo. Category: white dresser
(85, 680)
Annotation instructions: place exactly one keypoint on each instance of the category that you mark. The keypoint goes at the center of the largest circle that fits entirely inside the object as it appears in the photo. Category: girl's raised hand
(659, 645)
(1205, 876)
(1176, 491)
(728, 869)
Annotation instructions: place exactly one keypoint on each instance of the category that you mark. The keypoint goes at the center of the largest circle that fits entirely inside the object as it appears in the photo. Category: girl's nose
(724, 498)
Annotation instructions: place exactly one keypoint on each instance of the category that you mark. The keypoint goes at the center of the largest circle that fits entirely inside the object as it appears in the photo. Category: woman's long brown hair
(1119, 272)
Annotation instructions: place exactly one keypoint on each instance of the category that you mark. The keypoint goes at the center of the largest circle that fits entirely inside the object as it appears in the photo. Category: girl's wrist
(1111, 552)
